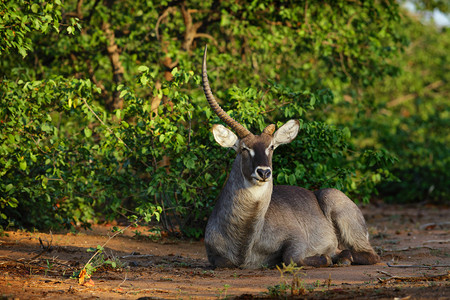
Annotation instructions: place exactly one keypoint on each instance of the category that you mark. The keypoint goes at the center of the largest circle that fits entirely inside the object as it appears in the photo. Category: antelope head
(254, 151)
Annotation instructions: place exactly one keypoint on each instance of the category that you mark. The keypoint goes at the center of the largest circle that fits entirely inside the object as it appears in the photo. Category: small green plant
(223, 292)
(296, 287)
(49, 267)
(278, 290)
(98, 259)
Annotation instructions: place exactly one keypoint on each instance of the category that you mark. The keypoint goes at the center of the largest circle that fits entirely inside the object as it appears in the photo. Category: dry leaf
(89, 282)
(85, 279)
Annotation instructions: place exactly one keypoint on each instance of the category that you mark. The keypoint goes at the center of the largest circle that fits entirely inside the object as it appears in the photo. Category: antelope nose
(264, 173)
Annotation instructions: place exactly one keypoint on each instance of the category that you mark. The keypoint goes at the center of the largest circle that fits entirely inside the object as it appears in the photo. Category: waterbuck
(256, 224)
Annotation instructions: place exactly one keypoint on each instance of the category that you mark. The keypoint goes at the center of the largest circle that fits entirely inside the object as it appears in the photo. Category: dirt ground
(413, 243)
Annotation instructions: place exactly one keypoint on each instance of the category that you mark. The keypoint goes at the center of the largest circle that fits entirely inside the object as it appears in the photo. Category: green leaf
(189, 162)
(22, 51)
(292, 180)
(35, 8)
(87, 132)
(46, 127)
(23, 165)
(123, 93)
(312, 100)
(143, 69)
(9, 187)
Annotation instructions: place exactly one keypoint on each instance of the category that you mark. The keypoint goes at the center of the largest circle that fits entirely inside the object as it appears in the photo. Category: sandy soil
(413, 243)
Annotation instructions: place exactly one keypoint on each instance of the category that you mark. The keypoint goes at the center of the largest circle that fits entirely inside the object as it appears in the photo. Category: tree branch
(405, 98)
(166, 12)
(113, 53)
(191, 28)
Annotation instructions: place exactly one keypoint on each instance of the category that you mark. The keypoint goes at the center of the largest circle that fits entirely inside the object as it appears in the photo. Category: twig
(93, 78)
(109, 129)
(208, 36)
(189, 131)
(137, 256)
(44, 248)
(441, 277)
(433, 225)
(110, 238)
(417, 266)
(385, 273)
(405, 98)
(163, 15)
(344, 69)
(125, 279)
(409, 248)
(437, 241)
(305, 16)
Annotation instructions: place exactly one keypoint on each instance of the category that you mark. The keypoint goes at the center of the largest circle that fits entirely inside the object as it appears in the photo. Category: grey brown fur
(255, 223)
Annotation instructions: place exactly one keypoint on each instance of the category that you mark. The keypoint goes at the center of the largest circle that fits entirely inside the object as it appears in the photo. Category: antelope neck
(243, 206)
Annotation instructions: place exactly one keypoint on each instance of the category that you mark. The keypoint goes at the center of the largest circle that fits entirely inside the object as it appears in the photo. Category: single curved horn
(240, 130)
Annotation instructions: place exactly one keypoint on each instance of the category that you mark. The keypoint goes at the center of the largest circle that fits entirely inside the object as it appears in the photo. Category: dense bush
(104, 117)
(409, 116)
(63, 166)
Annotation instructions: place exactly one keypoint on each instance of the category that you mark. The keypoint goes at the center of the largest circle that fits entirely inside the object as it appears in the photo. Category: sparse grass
(296, 287)
(223, 292)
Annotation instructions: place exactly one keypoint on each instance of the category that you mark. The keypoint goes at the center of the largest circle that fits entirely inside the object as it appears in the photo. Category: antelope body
(255, 223)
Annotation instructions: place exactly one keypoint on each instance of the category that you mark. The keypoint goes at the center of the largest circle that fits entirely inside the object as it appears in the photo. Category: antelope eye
(272, 148)
(245, 149)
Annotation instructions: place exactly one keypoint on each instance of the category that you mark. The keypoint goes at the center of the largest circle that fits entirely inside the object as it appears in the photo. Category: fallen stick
(437, 241)
(441, 277)
(385, 273)
(409, 248)
(137, 256)
(433, 225)
(417, 266)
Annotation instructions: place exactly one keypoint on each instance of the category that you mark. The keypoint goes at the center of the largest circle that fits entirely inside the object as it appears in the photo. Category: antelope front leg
(318, 261)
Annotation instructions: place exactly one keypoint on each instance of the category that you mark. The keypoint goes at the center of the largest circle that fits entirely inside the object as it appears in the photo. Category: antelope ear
(225, 137)
(286, 133)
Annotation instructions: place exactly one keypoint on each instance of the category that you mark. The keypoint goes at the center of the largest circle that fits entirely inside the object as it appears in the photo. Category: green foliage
(101, 260)
(105, 117)
(98, 260)
(19, 18)
(409, 116)
(295, 285)
(40, 167)
(420, 127)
